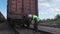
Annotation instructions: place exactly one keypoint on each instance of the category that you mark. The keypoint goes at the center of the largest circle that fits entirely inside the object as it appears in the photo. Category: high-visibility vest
(35, 17)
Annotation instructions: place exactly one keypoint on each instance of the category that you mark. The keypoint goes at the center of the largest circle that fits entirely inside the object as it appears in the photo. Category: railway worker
(29, 19)
(35, 19)
(30, 16)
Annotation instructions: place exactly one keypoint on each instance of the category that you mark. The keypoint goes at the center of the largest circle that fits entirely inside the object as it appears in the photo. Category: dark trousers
(36, 26)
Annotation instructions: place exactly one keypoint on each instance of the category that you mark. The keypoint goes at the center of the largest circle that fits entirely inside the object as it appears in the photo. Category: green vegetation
(55, 21)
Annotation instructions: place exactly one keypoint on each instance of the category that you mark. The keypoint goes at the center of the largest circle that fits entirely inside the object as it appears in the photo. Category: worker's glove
(32, 22)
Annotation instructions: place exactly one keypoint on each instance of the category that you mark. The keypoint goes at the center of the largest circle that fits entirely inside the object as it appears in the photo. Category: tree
(57, 16)
(57, 19)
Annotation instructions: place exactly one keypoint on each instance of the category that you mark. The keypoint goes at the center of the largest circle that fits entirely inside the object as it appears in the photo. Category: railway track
(26, 30)
(23, 30)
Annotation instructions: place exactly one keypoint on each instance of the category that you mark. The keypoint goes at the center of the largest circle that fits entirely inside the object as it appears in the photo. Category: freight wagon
(2, 18)
(17, 11)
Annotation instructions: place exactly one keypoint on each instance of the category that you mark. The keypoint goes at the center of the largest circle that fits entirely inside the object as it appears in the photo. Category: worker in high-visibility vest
(35, 19)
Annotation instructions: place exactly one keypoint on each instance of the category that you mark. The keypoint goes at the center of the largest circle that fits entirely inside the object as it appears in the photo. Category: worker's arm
(38, 19)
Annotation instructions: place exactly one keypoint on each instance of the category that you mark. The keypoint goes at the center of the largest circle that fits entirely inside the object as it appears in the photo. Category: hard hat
(30, 15)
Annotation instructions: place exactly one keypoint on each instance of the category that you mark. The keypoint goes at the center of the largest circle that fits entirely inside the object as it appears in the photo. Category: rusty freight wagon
(2, 18)
(16, 9)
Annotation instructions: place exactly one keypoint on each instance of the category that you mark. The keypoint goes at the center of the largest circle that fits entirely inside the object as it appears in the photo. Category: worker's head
(30, 15)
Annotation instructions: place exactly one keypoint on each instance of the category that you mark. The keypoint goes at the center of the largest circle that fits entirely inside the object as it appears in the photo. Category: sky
(3, 7)
(46, 8)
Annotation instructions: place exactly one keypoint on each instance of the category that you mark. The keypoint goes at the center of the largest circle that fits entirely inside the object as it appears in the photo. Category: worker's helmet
(30, 15)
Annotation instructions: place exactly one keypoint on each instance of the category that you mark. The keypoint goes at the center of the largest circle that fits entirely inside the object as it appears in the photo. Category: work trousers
(36, 26)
